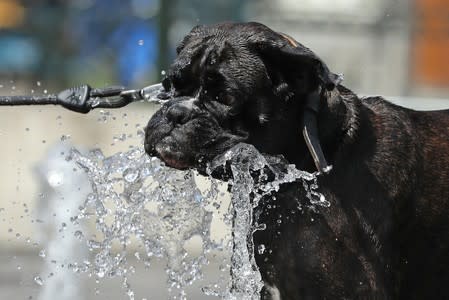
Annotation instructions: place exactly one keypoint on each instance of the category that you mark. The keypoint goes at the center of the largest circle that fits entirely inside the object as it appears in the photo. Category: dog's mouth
(172, 153)
(174, 159)
(170, 150)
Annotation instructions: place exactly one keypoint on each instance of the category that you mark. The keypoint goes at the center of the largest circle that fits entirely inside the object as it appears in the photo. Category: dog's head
(236, 82)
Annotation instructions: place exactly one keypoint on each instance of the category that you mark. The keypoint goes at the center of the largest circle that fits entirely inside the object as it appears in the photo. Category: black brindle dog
(386, 233)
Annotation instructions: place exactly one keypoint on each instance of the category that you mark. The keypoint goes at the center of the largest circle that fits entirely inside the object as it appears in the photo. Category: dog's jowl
(386, 233)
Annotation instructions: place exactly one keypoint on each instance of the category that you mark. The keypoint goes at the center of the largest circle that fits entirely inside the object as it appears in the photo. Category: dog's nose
(180, 112)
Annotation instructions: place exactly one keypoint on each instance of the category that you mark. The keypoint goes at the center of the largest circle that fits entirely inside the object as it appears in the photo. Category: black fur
(386, 233)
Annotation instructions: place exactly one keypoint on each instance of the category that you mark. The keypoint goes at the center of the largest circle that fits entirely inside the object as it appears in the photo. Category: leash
(83, 98)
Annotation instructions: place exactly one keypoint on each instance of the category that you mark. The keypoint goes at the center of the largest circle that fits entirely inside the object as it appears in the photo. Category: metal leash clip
(115, 97)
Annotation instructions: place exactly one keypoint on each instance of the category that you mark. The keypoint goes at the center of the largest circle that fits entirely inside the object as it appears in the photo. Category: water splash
(253, 177)
(138, 200)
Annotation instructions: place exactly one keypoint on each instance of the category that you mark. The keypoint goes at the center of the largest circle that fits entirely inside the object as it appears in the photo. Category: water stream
(138, 200)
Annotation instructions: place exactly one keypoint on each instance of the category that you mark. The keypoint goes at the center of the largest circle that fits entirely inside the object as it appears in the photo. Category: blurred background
(394, 48)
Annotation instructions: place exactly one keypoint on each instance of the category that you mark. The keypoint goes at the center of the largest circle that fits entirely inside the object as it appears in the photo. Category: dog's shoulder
(379, 103)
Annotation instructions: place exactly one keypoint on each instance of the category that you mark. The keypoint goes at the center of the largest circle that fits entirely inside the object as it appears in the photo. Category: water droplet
(121, 137)
(131, 175)
(130, 294)
(45, 91)
(140, 42)
(137, 197)
(100, 274)
(163, 73)
(42, 253)
(38, 83)
(55, 178)
(65, 137)
(261, 226)
(198, 196)
(38, 280)
(94, 244)
(79, 234)
(261, 249)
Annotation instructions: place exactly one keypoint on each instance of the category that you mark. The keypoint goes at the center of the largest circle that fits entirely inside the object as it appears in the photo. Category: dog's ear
(284, 50)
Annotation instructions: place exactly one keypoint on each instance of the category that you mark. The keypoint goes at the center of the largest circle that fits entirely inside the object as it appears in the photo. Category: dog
(383, 168)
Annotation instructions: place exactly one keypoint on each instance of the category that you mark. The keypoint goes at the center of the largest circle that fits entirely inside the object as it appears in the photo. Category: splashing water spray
(137, 200)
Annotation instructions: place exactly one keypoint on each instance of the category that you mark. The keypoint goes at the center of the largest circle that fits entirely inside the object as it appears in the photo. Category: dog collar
(310, 132)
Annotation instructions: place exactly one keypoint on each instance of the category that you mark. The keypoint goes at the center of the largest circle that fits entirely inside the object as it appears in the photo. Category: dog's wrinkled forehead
(223, 52)
(240, 33)
(218, 34)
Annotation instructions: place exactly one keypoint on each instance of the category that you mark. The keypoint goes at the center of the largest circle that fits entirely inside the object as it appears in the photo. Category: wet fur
(386, 233)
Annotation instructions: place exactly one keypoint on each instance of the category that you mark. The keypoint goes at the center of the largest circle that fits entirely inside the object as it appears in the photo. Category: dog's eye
(211, 79)
(225, 99)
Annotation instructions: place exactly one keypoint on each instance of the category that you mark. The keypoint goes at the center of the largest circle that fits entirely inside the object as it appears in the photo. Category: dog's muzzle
(182, 134)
